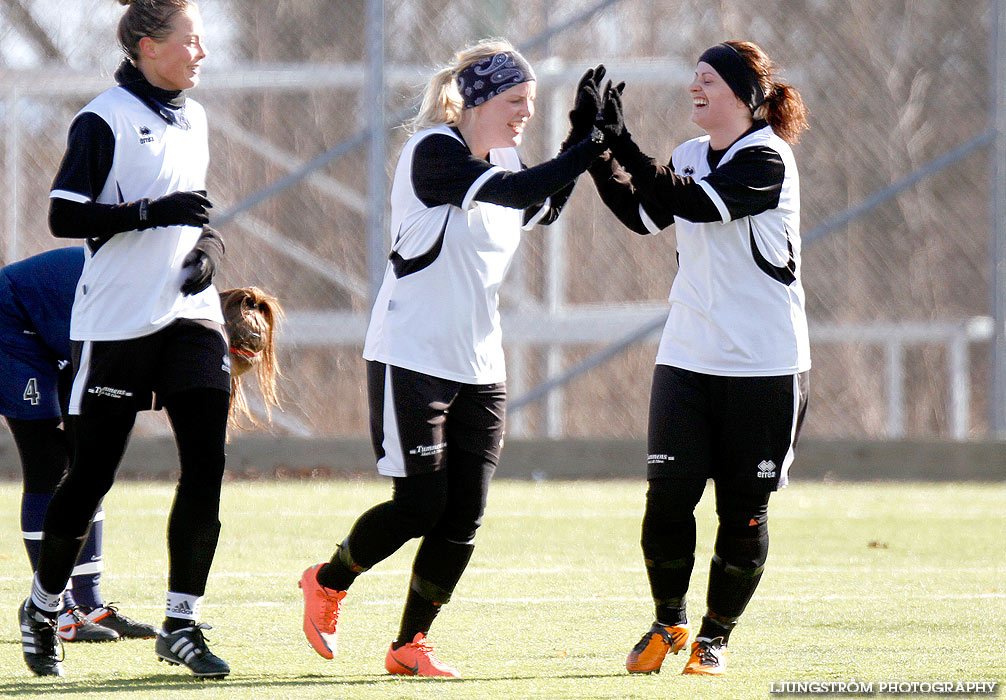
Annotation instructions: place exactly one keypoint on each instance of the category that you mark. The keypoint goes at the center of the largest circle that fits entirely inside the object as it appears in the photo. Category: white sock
(183, 605)
(43, 599)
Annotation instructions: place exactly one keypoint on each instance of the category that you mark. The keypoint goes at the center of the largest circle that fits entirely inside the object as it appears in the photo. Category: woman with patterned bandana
(435, 370)
(730, 385)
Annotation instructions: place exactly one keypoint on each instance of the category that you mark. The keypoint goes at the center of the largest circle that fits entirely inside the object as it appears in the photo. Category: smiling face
(173, 63)
(499, 122)
(715, 107)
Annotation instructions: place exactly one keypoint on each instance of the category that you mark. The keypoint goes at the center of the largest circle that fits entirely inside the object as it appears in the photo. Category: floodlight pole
(997, 215)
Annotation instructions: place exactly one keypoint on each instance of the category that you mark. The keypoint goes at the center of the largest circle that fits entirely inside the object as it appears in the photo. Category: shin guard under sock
(435, 573)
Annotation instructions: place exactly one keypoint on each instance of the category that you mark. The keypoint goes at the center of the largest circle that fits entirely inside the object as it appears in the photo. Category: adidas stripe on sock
(183, 605)
(43, 600)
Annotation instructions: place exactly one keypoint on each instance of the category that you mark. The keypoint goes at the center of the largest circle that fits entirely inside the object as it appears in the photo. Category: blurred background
(306, 99)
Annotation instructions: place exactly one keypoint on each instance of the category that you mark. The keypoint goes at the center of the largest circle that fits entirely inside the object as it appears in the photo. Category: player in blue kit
(35, 299)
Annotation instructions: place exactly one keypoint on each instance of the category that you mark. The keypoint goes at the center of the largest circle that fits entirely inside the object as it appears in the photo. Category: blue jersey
(36, 296)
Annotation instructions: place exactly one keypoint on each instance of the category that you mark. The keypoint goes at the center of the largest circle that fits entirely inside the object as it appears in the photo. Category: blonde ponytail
(442, 101)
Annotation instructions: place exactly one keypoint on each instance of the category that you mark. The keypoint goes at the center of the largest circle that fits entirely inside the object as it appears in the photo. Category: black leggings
(44, 449)
(199, 421)
(447, 504)
(444, 508)
(668, 542)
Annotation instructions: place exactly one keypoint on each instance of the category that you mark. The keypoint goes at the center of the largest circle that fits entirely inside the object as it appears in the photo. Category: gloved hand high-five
(175, 209)
(586, 106)
(611, 123)
(588, 102)
(611, 120)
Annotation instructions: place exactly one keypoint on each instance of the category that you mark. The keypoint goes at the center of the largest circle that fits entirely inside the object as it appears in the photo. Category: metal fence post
(377, 150)
(997, 217)
(894, 372)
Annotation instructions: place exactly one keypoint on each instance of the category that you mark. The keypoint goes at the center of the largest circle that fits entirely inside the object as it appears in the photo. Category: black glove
(587, 104)
(611, 120)
(612, 123)
(201, 269)
(202, 262)
(175, 209)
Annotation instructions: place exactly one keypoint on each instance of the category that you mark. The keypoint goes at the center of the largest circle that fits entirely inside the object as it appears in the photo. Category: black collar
(714, 156)
(169, 105)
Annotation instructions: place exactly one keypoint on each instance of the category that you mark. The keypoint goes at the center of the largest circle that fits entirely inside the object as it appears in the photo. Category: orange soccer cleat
(709, 658)
(321, 612)
(649, 653)
(417, 659)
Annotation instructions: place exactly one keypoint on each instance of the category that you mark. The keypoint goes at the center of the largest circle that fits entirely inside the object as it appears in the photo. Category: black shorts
(416, 419)
(736, 430)
(127, 375)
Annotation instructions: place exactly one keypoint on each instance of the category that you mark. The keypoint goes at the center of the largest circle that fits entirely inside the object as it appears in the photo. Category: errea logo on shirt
(145, 136)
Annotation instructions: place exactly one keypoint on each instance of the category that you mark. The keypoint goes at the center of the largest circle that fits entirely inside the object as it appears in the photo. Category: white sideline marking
(478, 571)
(593, 600)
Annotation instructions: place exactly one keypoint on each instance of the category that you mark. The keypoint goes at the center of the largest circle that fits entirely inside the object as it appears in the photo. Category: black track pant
(199, 421)
(668, 542)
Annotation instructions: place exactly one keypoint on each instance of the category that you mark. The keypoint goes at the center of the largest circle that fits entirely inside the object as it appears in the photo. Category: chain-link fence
(891, 86)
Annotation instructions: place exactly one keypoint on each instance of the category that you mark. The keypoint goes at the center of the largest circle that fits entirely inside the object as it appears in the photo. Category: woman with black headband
(730, 385)
(435, 371)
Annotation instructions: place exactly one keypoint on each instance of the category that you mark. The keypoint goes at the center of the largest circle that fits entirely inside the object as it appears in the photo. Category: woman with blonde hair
(435, 369)
(730, 384)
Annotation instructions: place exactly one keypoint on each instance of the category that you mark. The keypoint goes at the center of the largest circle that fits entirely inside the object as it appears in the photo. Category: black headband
(492, 75)
(736, 72)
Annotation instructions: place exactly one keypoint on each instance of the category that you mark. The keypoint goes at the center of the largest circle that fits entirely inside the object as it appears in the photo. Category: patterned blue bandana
(484, 79)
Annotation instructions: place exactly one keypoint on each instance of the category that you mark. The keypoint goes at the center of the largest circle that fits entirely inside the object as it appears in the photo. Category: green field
(867, 582)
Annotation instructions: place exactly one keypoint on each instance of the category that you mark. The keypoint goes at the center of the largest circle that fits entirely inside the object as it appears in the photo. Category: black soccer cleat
(127, 628)
(187, 647)
(39, 641)
(73, 625)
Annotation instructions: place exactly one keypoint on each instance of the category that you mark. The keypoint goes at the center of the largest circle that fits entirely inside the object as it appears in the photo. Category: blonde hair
(252, 317)
(442, 103)
(783, 107)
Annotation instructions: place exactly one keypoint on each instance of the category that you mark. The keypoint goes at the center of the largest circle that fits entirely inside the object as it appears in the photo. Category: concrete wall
(261, 456)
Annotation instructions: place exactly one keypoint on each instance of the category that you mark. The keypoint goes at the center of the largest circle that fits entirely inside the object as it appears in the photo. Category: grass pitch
(865, 582)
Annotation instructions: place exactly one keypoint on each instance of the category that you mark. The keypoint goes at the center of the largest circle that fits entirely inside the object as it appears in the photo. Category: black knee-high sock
(669, 558)
(199, 420)
(436, 571)
(736, 569)
(375, 536)
(668, 543)
(416, 505)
